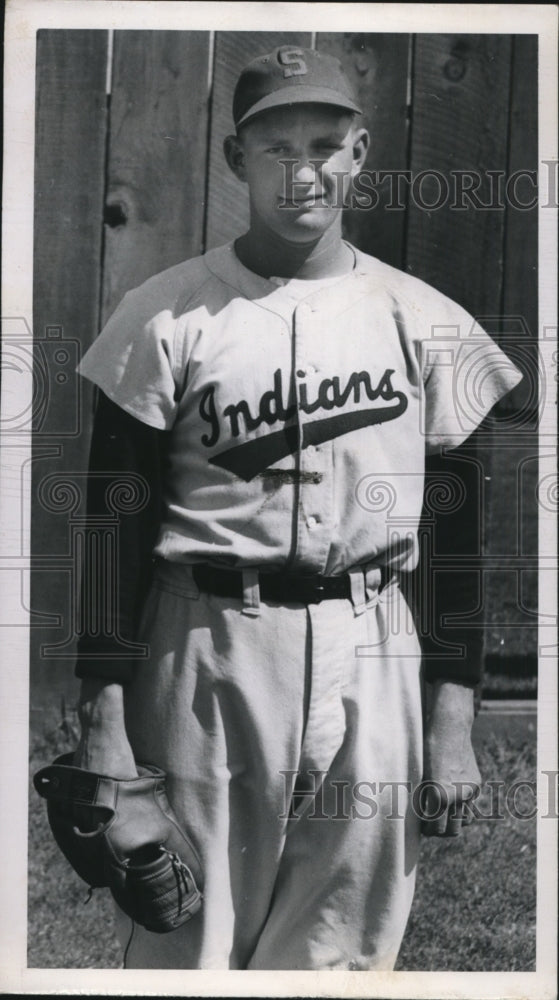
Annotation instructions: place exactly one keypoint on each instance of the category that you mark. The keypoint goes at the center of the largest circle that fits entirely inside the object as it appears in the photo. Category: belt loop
(251, 593)
(373, 580)
(357, 587)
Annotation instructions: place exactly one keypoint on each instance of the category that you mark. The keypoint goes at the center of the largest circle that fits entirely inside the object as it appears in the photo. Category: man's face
(298, 163)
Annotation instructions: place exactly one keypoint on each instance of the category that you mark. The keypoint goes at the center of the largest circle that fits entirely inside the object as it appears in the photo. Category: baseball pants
(291, 736)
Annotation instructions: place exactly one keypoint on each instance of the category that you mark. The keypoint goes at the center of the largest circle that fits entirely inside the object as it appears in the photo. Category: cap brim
(300, 95)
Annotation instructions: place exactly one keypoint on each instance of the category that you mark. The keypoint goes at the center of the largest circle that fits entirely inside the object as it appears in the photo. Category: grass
(64, 932)
(474, 908)
(475, 904)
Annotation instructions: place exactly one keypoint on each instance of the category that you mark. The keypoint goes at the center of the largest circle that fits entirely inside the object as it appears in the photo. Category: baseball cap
(291, 75)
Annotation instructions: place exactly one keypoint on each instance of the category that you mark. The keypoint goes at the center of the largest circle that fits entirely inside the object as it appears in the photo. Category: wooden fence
(130, 179)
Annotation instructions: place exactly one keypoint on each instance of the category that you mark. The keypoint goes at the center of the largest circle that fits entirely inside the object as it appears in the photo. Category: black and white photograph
(278, 500)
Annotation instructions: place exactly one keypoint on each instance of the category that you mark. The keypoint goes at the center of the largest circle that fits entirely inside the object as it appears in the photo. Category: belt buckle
(319, 590)
(309, 589)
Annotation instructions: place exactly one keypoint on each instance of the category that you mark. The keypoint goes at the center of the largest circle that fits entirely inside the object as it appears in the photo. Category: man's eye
(276, 149)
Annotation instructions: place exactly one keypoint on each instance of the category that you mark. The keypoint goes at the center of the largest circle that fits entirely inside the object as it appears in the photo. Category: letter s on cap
(293, 61)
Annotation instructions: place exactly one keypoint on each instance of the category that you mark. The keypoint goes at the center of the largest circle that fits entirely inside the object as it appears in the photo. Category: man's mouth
(309, 201)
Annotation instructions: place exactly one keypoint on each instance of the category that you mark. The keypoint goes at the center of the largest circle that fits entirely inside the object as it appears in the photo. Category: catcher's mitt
(138, 850)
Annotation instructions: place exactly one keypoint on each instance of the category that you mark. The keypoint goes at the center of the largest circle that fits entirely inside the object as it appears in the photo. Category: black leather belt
(285, 588)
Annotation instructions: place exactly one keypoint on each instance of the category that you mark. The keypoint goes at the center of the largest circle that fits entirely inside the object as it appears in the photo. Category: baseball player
(279, 395)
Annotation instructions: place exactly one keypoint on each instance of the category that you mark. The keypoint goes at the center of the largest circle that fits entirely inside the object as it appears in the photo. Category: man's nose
(306, 169)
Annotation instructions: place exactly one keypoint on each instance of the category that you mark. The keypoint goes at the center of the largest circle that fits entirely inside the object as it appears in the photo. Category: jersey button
(313, 521)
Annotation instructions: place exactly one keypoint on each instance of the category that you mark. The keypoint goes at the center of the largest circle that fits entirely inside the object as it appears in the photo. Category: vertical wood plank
(521, 239)
(69, 186)
(228, 213)
(377, 65)
(460, 113)
(520, 282)
(460, 103)
(514, 469)
(157, 156)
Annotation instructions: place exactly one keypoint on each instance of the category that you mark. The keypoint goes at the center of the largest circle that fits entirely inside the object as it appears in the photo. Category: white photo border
(23, 19)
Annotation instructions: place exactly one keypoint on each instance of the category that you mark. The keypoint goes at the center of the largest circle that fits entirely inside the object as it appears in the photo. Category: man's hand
(450, 770)
(104, 745)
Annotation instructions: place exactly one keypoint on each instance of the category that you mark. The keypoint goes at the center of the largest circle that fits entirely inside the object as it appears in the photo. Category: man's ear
(235, 156)
(361, 142)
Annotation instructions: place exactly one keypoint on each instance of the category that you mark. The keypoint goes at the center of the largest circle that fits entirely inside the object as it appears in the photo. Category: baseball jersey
(299, 412)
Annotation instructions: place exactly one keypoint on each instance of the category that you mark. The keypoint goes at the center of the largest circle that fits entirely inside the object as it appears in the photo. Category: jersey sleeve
(121, 447)
(136, 360)
(464, 373)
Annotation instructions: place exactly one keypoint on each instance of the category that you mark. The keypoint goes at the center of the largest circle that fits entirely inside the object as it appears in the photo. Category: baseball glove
(137, 849)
